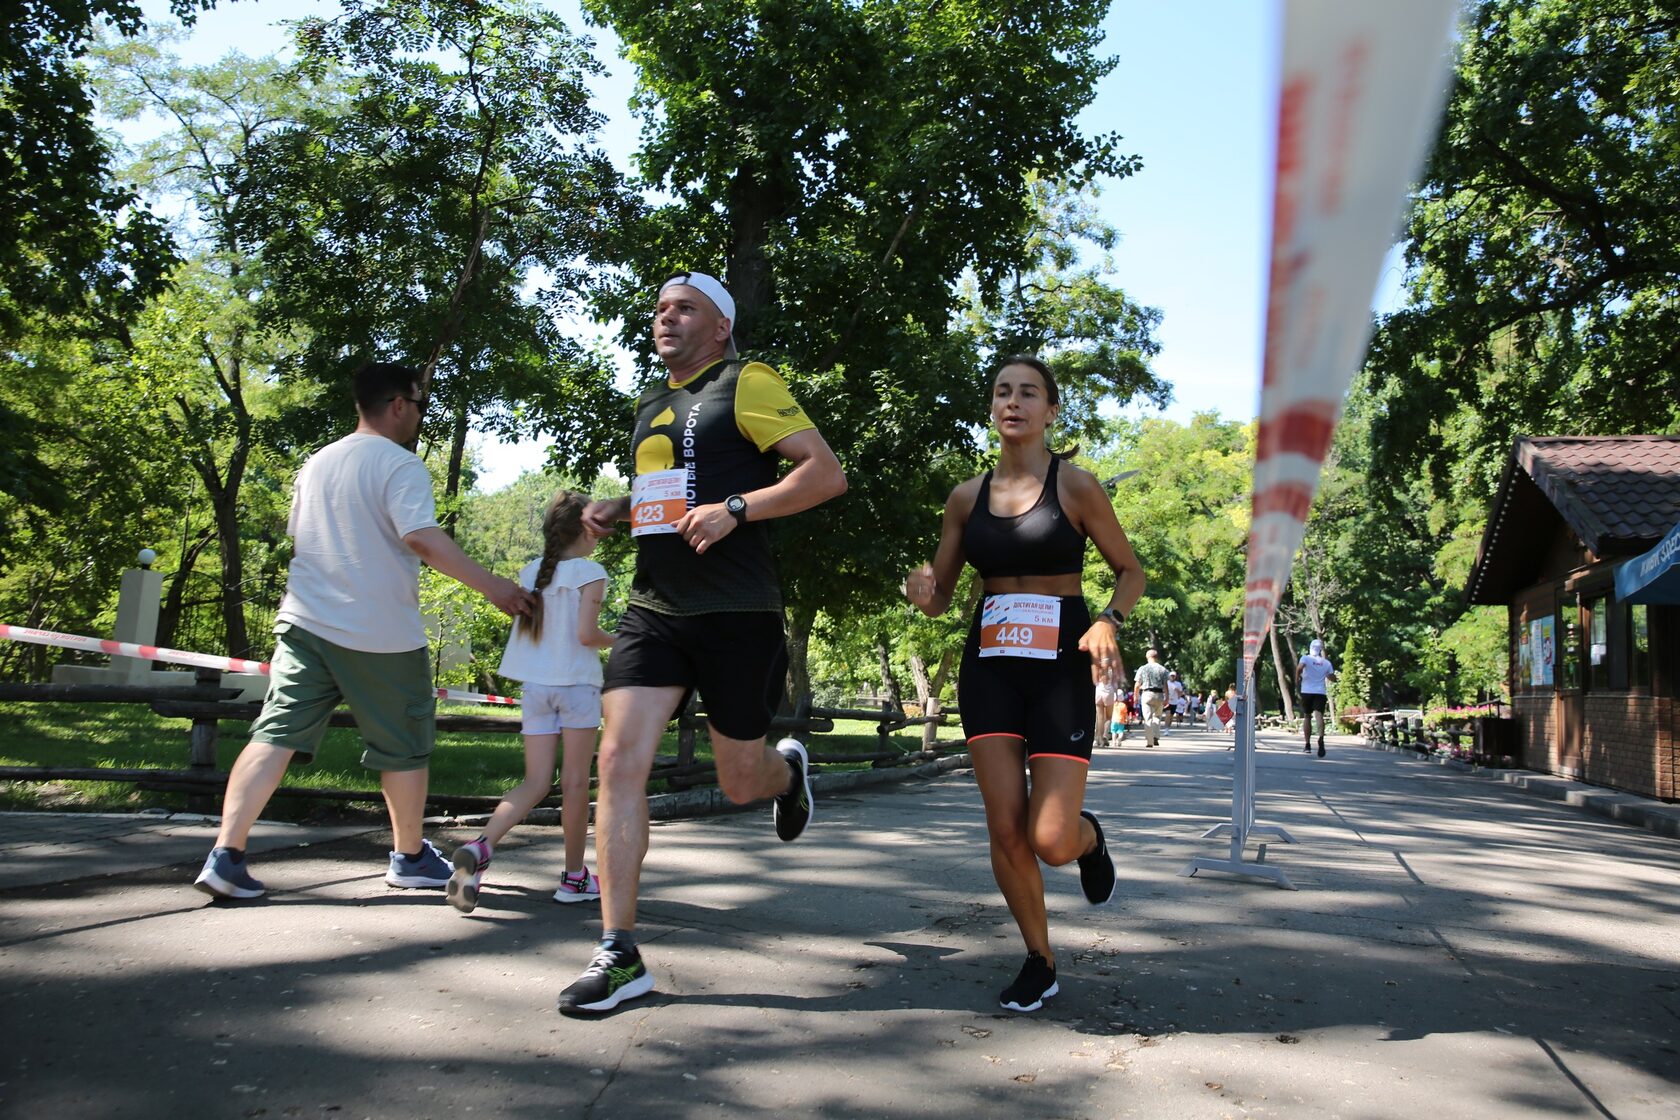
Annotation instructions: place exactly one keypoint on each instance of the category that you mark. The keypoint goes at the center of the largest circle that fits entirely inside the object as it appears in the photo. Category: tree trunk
(169, 615)
(228, 539)
(889, 681)
(222, 485)
(755, 201)
(1283, 682)
(928, 693)
(452, 480)
(799, 622)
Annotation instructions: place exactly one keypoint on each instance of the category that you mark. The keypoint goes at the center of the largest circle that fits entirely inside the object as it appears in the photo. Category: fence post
(686, 724)
(201, 745)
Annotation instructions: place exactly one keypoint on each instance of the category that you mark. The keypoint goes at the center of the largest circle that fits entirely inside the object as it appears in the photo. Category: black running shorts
(1313, 702)
(736, 660)
(1050, 704)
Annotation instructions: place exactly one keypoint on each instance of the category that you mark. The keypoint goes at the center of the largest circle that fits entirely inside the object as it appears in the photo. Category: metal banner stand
(1242, 824)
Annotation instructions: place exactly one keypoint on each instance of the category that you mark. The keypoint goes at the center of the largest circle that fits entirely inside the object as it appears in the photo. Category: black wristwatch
(737, 506)
(1111, 616)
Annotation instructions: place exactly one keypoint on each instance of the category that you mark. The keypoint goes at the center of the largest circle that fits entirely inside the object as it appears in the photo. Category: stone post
(138, 602)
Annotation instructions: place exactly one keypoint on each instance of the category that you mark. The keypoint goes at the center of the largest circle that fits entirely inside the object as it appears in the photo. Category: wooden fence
(207, 703)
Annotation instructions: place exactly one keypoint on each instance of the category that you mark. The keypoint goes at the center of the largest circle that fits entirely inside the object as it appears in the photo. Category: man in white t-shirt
(1312, 673)
(349, 629)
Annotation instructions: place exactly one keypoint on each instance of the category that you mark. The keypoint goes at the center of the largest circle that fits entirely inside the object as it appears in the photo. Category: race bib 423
(657, 500)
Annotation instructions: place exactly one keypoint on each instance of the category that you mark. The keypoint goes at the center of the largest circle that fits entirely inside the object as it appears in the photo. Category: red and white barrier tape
(1360, 99)
(129, 649)
(186, 657)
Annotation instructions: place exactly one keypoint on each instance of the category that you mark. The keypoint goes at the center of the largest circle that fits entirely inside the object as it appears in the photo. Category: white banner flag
(1360, 97)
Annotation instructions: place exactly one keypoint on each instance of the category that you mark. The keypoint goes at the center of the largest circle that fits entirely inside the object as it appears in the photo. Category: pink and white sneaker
(582, 887)
(470, 860)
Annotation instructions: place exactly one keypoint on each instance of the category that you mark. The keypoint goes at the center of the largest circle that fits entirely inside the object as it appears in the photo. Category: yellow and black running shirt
(718, 427)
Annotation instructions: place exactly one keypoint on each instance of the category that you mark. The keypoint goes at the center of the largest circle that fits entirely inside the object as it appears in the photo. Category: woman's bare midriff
(1034, 585)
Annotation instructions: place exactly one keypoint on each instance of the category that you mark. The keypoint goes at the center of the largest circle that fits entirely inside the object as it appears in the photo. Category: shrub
(1438, 717)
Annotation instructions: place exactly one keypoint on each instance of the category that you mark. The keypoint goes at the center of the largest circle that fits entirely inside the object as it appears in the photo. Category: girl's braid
(562, 522)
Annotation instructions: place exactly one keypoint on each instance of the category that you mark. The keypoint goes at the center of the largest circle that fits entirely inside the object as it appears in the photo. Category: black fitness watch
(737, 506)
(1111, 616)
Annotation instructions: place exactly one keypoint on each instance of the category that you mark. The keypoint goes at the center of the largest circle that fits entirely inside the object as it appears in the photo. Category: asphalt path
(1456, 948)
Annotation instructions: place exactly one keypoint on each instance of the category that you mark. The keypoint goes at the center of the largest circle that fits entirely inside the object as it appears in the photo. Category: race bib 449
(1020, 626)
(657, 500)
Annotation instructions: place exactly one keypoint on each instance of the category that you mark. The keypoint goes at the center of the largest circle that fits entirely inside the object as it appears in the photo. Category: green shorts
(390, 694)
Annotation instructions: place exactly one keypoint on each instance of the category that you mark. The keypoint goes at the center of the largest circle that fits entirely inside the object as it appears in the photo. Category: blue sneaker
(428, 869)
(223, 878)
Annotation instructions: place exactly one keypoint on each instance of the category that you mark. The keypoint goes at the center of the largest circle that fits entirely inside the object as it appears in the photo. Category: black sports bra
(1039, 542)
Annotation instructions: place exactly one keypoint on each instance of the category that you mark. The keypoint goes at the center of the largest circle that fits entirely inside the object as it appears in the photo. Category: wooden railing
(207, 703)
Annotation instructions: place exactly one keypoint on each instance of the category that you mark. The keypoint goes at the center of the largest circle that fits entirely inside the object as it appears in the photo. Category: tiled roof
(1618, 494)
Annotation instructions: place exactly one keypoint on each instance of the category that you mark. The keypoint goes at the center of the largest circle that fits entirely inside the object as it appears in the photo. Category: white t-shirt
(352, 579)
(558, 658)
(1314, 672)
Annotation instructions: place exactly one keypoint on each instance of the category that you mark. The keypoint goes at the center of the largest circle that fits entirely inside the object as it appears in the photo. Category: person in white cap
(1312, 673)
(705, 611)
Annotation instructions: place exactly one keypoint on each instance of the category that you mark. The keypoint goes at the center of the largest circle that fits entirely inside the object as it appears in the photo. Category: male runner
(349, 629)
(705, 609)
(1312, 673)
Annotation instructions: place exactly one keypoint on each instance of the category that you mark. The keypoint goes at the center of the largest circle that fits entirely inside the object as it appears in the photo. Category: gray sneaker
(223, 878)
(428, 869)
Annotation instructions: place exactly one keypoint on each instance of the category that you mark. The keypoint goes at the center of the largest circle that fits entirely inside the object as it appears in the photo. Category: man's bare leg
(634, 720)
(255, 776)
(749, 769)
(405, 801)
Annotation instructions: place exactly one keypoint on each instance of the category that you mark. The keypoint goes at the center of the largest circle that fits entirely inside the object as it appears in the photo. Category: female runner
(1033, 657)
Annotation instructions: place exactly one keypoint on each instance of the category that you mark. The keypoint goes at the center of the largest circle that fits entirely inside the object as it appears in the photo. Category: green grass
(131, 736)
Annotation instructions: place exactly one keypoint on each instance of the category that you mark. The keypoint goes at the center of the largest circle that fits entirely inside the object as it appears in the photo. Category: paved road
(1457, 949)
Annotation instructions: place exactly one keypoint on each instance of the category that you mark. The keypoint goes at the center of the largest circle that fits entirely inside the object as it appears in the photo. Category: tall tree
(1061, 304)
(841, 163)
(1544, 245)
(204, 353)
(74, 240)
(412, 221)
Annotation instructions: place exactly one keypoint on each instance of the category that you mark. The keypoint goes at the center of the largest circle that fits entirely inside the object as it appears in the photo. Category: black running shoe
(1321, 748)
(1096, 867)
(614, 976)
(793, 808)
(1036, 984)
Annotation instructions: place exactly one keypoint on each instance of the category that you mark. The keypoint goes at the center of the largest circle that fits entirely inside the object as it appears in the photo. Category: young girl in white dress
(554, 653)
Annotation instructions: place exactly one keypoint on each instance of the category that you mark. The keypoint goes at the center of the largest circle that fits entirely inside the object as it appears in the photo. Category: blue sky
(1192, 95)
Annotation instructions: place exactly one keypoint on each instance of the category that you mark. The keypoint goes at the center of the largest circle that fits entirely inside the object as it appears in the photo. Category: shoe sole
(1048, 992)
(217, 887)
(640, 986)
(415, 882)
(462, 888)
(810, 801)
(1102, 846)
(566, 899)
